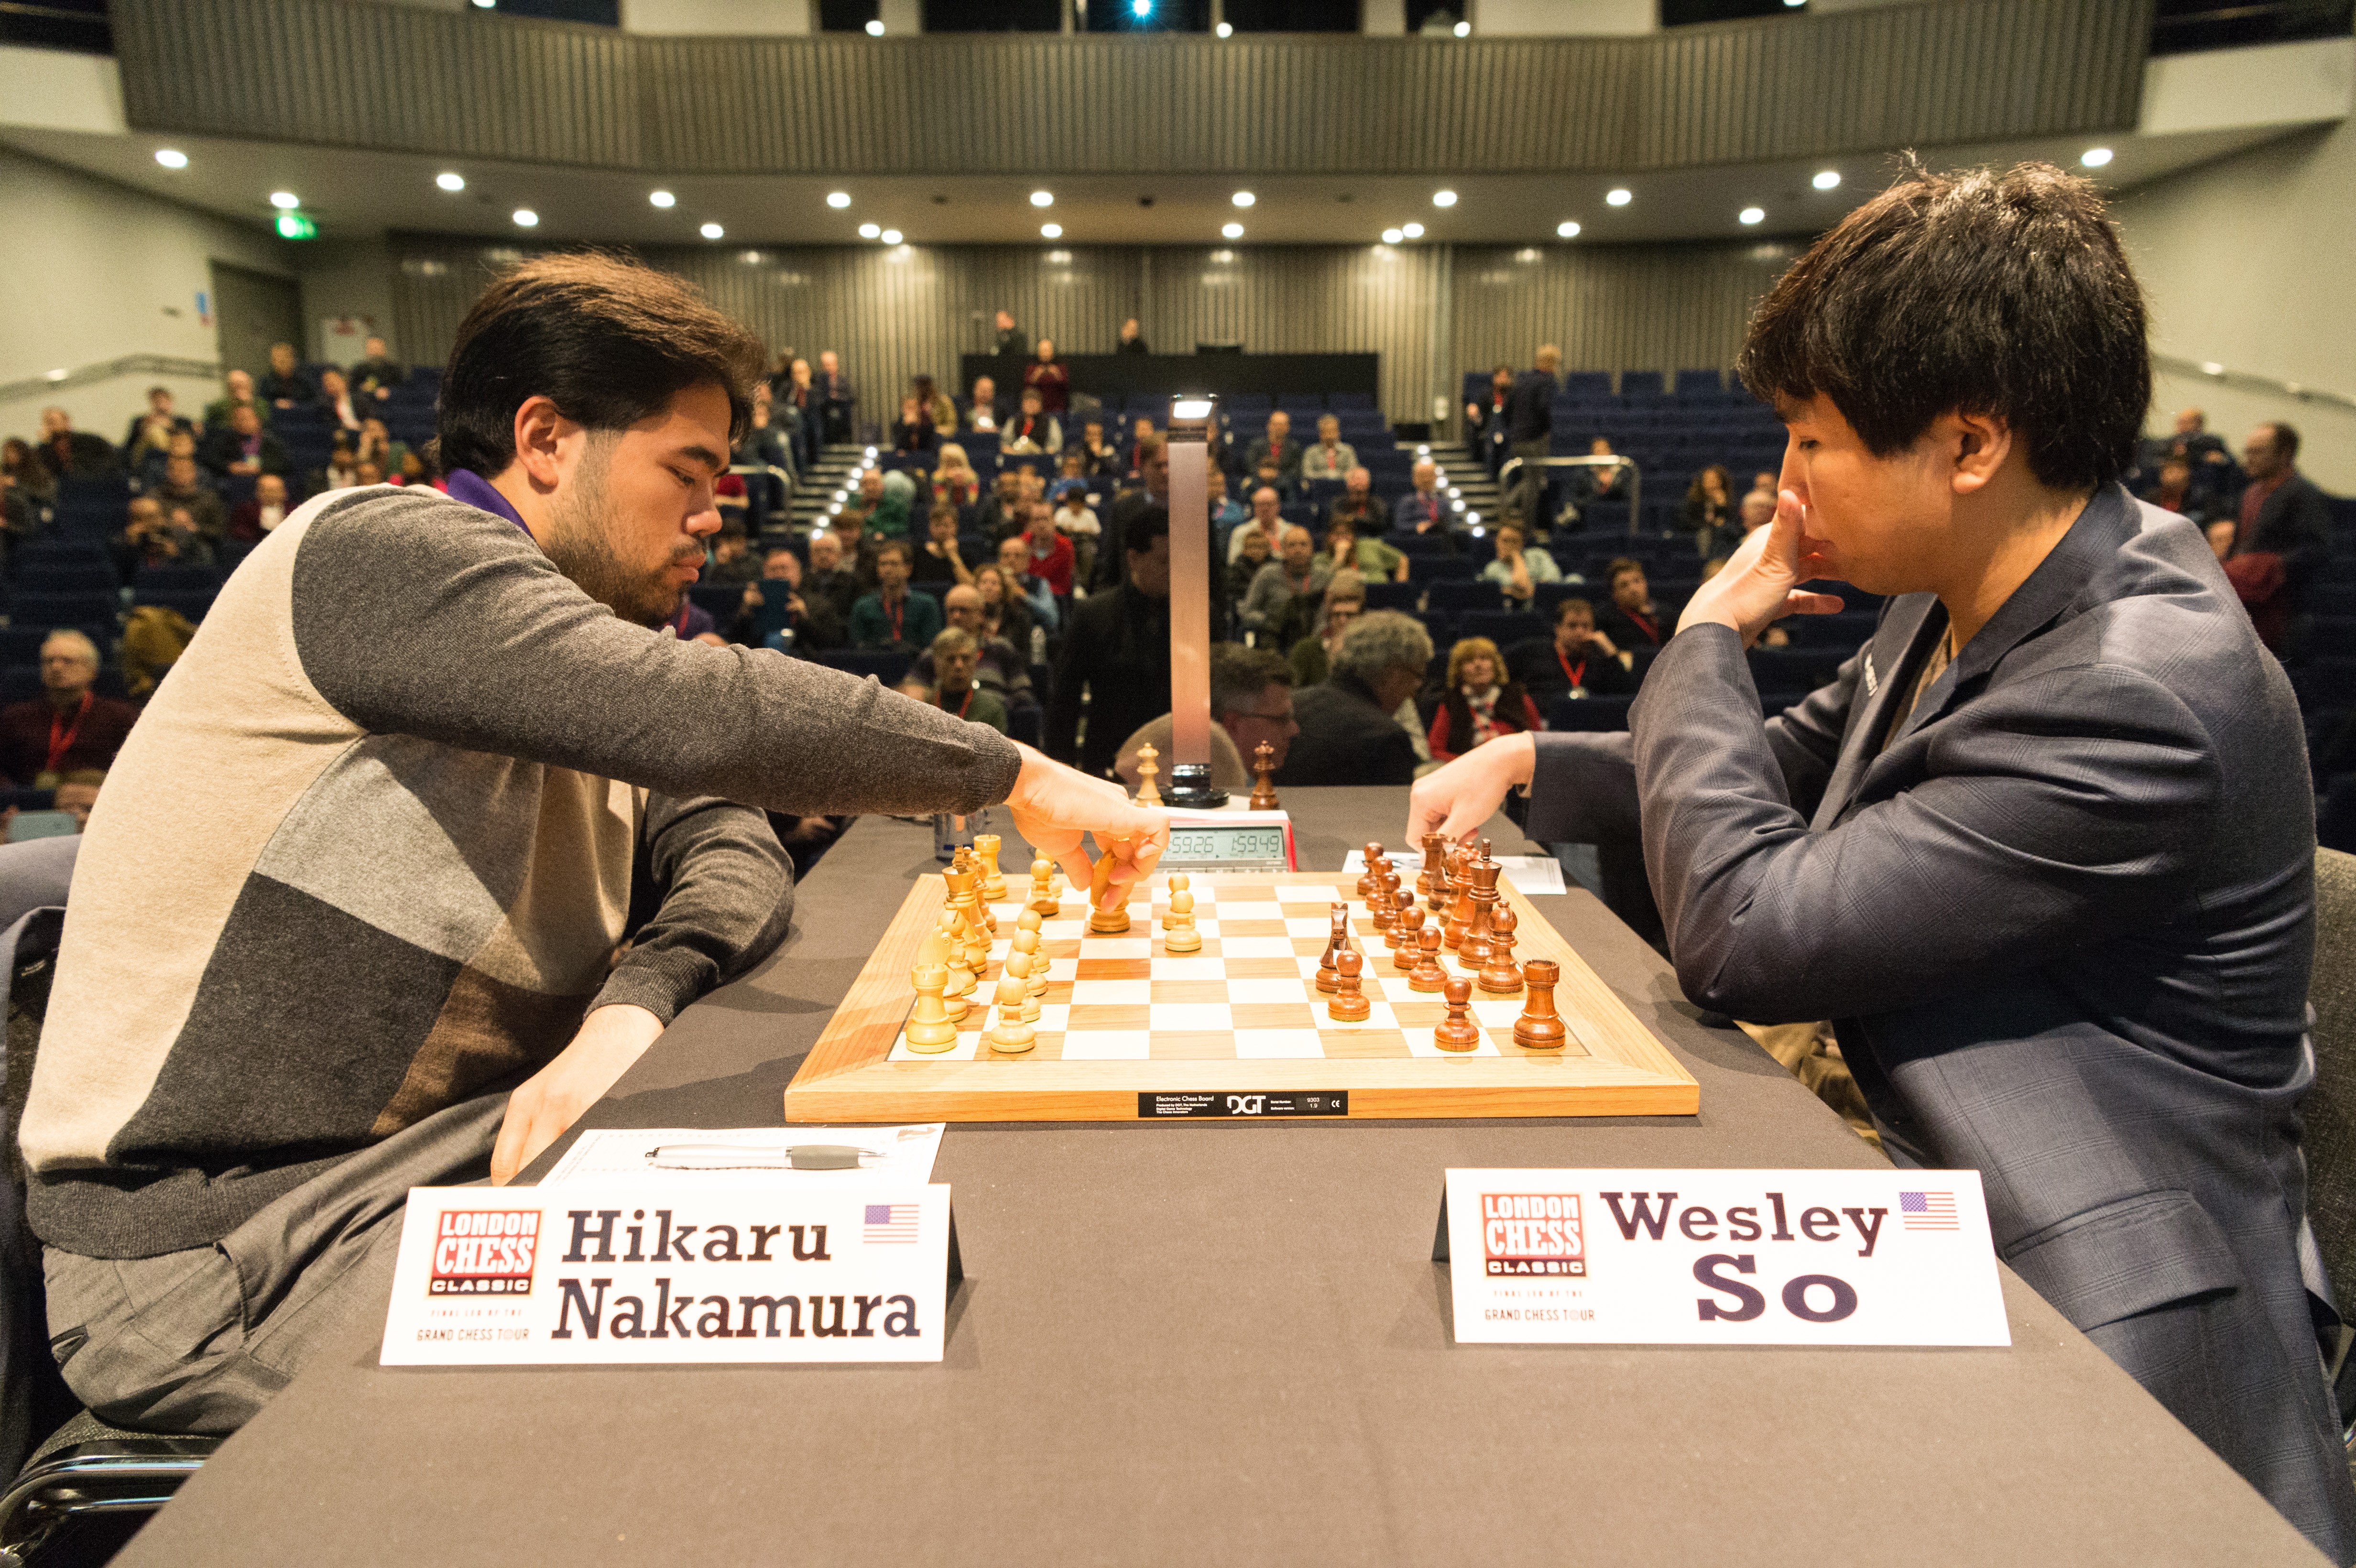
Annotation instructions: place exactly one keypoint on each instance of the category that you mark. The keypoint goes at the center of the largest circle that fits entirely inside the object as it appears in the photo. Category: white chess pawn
(961, 975)
(1178, 933)
(1034, 972)
(1013, 1035)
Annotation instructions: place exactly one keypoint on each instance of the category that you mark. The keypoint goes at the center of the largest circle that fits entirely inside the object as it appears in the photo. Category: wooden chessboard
(1126, 1031)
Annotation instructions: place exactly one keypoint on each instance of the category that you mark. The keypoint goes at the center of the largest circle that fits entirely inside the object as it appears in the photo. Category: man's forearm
(728, 898)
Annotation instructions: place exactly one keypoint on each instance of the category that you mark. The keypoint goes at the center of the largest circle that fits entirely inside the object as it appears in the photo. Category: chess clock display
(1230, 841)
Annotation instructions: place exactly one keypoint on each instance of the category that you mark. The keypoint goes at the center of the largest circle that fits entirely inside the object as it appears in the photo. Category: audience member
(1358, 504)
(1529, 430)
(67, 728)
(799, 395)
(1001, 515)
(1051, 553)
(954, 480)
(2283, 535)
(27, 471)
(770, 442)
(950, 662)
(912, 432)
(1482, 701)
(182, 487)
(2194, 444)
(251, 521)
(1225, 510)
(1519, 567)
(1633, 621)
(1298, 571)
(1348, 731)
(1604, 482)
(1577, 661)
(691, 623)
(1000, 630)
(1426, 511)
(242, 446)
(1758, 511)
(874, 510)
(1253, 552)
(1025, 587)
(892, 617)
(376, 446)
(1275, 458)
(1099, 459)
(1009, 341)
(284, 385)
(239, 394)
(982, 409)
(777, 611)
(336, 396)
(1310, 654)
(1331, 457)
(2174, 491)
(830, 581)
(1116, 653)
(343, 469)
(730, 562)
(154, 535)
(1251, 699)
(1047, 375)
(1266, 519)
(377, 374)
(836, 399)
(1132, 338)
(938, 560)
(1709, 514)
(151, 432)
(1153, 494)
(1032, 429)
(65, 450)
(1368, 556)
(1078, 521)
(1485, 422)
(938, 407)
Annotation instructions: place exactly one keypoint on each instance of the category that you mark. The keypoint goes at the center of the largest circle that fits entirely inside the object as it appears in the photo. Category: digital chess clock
(1230, 841)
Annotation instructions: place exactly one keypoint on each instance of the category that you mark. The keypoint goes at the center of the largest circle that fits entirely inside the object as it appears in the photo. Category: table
(1222, 1342)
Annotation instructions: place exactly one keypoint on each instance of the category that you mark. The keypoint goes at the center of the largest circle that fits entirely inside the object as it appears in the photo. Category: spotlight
(869, 230)
(1829, 179)
(890, 237)
(1232, 230)
(450, 181)
(1752, 215)
(1393, 236)
(662, 198)
(1042, 199)
(1567, 231)
(1226, 31)
(1051, 231)
(1464, 30)
(1443, 198)
(712, 232)
(1140, 9)
(284, 200)
(2094, 157)
(837, 199)
(485, 5)
(525, 218)
(1243, 198)
(1423, 451)
(875, 29)
(1620, 197)
(172, 157)
(1412, 231)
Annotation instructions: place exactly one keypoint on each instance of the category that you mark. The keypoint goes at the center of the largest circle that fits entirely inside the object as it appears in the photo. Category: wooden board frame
(847, 1078)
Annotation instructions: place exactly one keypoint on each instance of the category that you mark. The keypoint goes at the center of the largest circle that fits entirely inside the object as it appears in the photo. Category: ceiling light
(1243, 198)
(1412, 231)
(837, 199)
(1046, 232)
(1567, 231)
(284, 200)
(1424, 450)
(1827, 180)
(525, 218)
(450, 181)
(1443, 198)
(1225, 30)
(890, 237)
(1620, 196)
(172, 157)
(1140, 9)
(1042, 199)
(485, 5)
(2094, 157)
(662, 198)
(1232, 230)
(712, 231)
(1464, 30)
(1060, 258)
(1752, 215)
(869, 230)
(1393, 236)
(875, 28)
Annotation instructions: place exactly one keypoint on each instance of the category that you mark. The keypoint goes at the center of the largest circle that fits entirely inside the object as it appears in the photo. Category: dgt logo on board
(485, 1252)
(1533, 1233)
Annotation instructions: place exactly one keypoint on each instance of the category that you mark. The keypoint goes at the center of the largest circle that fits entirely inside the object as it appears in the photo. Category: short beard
(579, 545)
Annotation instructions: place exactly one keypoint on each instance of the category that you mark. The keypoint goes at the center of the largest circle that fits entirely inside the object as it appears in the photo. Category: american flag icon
(891, 1222)
(1919, 1211)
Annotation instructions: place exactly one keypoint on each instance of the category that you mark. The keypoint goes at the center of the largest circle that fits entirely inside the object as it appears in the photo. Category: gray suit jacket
(2064, 923)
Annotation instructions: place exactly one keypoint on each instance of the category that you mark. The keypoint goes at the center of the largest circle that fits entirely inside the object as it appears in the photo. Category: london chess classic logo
(1533, 1235)
(484, 1252)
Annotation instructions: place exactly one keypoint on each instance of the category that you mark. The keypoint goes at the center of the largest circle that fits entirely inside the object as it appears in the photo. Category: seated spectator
(343, 469)
(1367, 557)
(1275, 458)
(1632, 620)
(1100, 458)
(830, 578)
(892, 617)
(1131, 339)
(1298, 571)
(77, 792)
(1348, 731)
(779, 611)
(151, 434)
(939, 561)
(1025, 587)
(1141, 434)
(2282, 534)
(241, 446)
(1310, 654)
(1002, 515)
(1709, 514)
(732, 560)
(377, 374)
(769, 442)
(157, 535)
(376, 446)
(284, 385)
(1331, 457)
(874, 510)
(2212, 465)
(1227, 770)
(1033, 431)
(65, 450)
(369, 473)
(1004, 667)
(1256, 553)
(691, 623)
(1519, 567)
(954, 480)
(1225, 510)
(153, 638)
(1046, 376)
(912, 432)
(1051, 558)
(2174, 491)
(1758, 511)
(29, 475)
(1368, 516)
(252, 520)
(1426, 511)
(183, 487)
(1116, 653)
(939, 408)
(982, 409)
(1607, 482)
(336, 396)
(67, 728)
(1577, 661)
(18, 516)
(239, 394)
(150, 472)
(1251, 704)
(1481, 703)
(1076, 521)
(951, 686)
(1266, 519)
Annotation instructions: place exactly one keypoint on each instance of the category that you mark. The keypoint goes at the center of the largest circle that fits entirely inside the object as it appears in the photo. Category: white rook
(1190, 580)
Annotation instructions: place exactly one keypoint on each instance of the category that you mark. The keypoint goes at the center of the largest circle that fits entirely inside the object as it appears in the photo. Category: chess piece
(951, 932)
(1103, 922)
(1349, 1005)
(1329, 966)
(1366, 877)
(1378, 891)
(969, 857)
(1435, 847)
(1458, 1032)
(1460, 906)
(1474, 951)
(1540, 1028)
(1408, 934)
(1034, 972)
(1395, 930)
(930, 1028)
(1178, 933)
(1436, 900)
(1043, 886)
(1498, 977)
(993, 881)
(1263, 795)
(1011, 1035)
(1147, 795)
(1426, 976)
(1029, 926)
(972, 934)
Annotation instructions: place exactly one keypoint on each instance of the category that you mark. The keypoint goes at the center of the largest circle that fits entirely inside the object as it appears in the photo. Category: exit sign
(295, 226)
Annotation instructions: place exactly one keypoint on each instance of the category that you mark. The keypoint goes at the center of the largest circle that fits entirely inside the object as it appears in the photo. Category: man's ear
(1976, 447)
(539, 428)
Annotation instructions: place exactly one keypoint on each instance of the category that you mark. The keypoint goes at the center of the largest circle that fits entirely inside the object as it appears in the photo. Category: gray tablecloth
(1227, 1343)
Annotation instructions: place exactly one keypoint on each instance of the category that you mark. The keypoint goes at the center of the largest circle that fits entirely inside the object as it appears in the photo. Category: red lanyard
(962, 706)
(1577, 677)
(1644, 624)
(896, 609)
(60, 744)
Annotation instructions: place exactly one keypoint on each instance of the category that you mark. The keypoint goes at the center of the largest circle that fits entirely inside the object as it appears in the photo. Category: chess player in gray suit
(2044, 849)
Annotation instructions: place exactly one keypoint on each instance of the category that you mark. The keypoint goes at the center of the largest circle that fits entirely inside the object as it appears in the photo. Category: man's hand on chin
(553, 1099)
(1759, 585)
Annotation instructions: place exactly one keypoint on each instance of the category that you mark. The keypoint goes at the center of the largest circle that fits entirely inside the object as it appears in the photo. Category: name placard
(1720, 1257)
(620, 1271)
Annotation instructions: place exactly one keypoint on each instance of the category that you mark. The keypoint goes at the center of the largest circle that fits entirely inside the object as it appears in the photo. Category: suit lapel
(1889, 658)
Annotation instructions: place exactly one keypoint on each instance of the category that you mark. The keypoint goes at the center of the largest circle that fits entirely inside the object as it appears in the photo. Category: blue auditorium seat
(1339, 401)
(62, 609)
(193, 603)
(1586, 386)
(717, 600)
(1460, 594)
(1703, 380)
(175, 579)
(1634, 384)
(1503, 627)
(81, 574)
(1393, 596)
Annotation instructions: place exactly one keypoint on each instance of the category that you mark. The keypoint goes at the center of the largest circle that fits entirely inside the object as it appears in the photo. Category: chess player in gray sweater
(391, 794)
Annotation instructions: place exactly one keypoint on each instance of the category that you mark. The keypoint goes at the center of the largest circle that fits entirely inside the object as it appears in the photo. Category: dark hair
(1998, 293)
(1152, 523)
(610, 341)
(2285, 437)
(1239, 675)
(1620, 564)
(1564, 606)
(893, 547)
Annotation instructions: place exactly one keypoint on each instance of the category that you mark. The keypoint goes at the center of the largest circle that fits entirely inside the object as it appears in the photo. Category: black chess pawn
(1457, 1032)
(1407, 930)
(1498, 977)
(1428, 975)
(1348, 1004)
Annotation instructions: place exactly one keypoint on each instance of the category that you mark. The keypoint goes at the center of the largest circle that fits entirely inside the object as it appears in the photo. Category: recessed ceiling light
(1243, 198)
(1225, 30)
(2094, 157)
(525, 218)
(1412, 231)
(750, 258)
(1464, 30)
(1050, 231)
(837, 199)
(284, 200)
(1393, 236)
(662, 198)
(875, 28)
(1620, 197)
(485, 5)
(1752, 214)
(869, 230)
(1061, 258)
(450, 181)
(890, 237)
(1567, 230)
(1443, 198)
(1827, 180)
(1042, 199)
(1140, 9)
(712, 231)
(1232, 230)
(172, 157)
